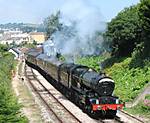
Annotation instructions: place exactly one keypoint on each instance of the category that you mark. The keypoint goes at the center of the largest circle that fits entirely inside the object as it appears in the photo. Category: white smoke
(81, 22)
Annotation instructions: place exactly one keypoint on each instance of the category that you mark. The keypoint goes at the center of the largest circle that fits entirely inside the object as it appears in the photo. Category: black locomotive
(92, 91)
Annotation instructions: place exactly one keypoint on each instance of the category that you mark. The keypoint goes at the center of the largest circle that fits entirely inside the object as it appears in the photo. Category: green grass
(129, 81)
(91, 61)
(9, 108)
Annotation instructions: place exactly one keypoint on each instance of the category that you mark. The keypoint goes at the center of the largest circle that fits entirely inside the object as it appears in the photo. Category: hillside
(25, 27)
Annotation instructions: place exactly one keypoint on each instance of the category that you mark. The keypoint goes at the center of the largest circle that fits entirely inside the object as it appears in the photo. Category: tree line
(25, 27)
(129, 31)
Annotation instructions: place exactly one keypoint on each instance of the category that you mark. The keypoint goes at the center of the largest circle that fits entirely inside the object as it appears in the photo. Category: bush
(137, 60)
(91, 61)
(129, 81)
(110, 61)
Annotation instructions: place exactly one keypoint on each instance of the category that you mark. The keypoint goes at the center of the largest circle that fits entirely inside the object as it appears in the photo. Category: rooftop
(36, 33)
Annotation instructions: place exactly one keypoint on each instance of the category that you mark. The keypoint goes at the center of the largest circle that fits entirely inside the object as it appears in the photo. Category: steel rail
(139, 120)
(35, 89)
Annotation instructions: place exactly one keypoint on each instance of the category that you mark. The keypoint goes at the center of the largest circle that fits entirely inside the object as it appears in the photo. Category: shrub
(91, 61)
(137, 60)
(9, 108)
(129, 82)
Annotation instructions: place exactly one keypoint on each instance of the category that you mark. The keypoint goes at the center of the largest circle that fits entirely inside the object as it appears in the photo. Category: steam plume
(79, 35)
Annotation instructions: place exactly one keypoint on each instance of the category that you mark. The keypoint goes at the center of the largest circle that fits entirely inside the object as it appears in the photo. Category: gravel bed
(47, 116)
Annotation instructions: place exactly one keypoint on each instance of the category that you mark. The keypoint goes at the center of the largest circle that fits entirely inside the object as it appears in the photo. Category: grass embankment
(129, 80)
(9, 108)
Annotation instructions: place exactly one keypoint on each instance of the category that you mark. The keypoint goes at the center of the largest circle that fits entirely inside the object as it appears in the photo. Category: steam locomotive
(91, 91)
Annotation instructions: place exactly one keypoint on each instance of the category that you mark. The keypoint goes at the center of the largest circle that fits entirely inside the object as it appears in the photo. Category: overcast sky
(34, 11)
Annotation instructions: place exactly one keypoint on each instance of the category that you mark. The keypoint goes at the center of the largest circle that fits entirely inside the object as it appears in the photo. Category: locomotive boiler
(92, 91)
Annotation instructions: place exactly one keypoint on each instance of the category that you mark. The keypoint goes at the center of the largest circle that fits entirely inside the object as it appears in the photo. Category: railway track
(127, 119)
(114, 120)
(60, 113)
(122, 117)
(130, 117)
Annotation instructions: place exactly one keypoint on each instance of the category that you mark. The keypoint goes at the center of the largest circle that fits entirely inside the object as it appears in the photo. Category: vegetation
(52, 24)
(142, 108)
(93, 61)
(9, 108)
(144, 14)
(28, 45)
(3, 48)
(129, 81)
(130, 28)
(123, 32)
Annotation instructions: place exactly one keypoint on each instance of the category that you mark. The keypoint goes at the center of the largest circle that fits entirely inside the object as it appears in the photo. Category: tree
(144, 14)
(13, 44)
(34, 42)
(3, 48)
(52, 24)
(124, 32)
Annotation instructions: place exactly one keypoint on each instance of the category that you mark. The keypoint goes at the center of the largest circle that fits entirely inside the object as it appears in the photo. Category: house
(16, 37)
(39, 37)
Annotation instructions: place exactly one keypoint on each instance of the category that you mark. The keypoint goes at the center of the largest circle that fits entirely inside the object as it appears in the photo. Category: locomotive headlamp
(94, 101)
(97, 101)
